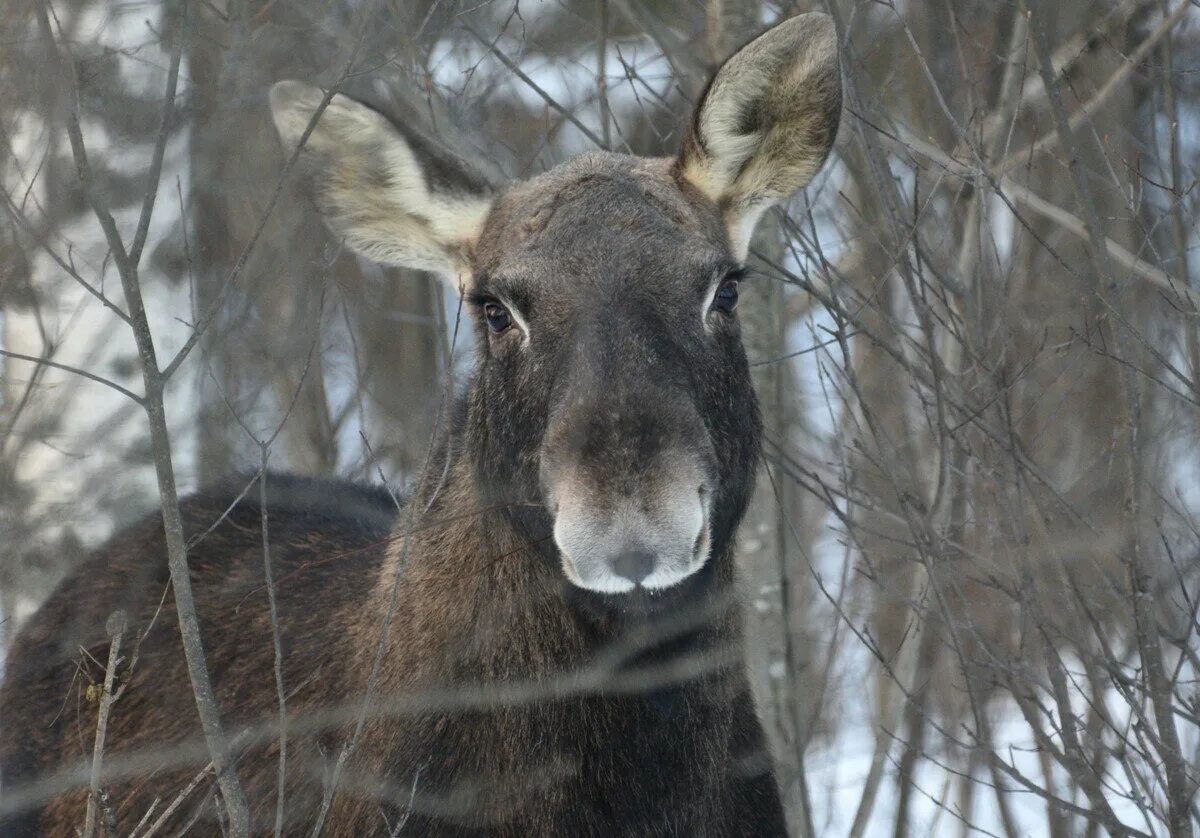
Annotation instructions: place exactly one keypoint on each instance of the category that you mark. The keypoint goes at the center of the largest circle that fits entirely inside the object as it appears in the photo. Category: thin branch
(394, 595)
(907, 140)
(535, 87)
(116, 630)
(154, 175)
(183, 795)
(1115, 82)
(1066, 55)
(1145, 620)
(1157, 277)
(207, 707)
(275, 642)
(602, 73)
(21, 221)
(46, 362)
(218, 302)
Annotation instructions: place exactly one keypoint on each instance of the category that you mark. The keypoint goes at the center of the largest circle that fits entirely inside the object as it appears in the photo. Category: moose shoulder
(547, 627)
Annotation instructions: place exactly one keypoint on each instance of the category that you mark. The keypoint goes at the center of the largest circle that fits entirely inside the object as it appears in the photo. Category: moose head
(611, 383)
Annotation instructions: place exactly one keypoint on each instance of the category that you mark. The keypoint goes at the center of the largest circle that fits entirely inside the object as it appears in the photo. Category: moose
(542, 636)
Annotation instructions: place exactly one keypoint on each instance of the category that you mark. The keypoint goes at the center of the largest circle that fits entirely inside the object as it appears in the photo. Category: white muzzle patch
(652, 543)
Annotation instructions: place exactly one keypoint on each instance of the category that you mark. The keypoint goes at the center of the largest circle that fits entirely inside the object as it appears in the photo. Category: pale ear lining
(766, 123)
(390, 194)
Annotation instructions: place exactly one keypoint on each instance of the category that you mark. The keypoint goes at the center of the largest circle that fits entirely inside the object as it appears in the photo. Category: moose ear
(394, 195)
(766, 123)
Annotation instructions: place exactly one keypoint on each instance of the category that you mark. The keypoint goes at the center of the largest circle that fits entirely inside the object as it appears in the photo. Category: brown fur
(460, 592)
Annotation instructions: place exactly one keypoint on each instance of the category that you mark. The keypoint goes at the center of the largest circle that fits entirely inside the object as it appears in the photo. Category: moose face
(611, 383)
(606, 297)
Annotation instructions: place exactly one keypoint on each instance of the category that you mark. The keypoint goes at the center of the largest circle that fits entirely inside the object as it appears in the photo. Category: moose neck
(482, 587)
(477, 609)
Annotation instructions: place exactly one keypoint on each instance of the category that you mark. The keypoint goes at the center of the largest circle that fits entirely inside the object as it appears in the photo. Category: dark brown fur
(494, 770)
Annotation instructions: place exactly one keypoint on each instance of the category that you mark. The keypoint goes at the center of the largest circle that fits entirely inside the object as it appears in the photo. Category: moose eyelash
(478, 300)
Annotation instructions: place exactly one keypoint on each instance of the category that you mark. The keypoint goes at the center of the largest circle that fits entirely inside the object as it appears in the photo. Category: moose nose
(634, 565)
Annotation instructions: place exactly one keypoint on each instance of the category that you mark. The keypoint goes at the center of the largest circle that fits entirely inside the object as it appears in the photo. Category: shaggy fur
(682, 758)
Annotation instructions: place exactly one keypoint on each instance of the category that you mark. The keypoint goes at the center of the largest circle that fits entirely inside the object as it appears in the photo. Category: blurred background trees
(971, 566)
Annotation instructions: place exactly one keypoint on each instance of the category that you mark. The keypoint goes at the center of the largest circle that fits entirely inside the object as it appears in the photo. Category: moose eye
(497, 316)
(726, 298)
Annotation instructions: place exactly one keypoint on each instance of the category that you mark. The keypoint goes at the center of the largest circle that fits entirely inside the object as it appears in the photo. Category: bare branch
(1114, 83)
(69, 269)
(1071, 223)
(535, 87)
(115, 629)
(154, 174)
(46, 362)
(1179, 788)
(189, 626)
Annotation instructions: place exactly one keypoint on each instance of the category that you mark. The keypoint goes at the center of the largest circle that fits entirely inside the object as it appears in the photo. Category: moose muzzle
(615, 536)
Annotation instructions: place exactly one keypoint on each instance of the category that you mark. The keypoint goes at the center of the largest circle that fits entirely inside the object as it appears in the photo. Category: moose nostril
(635, 565)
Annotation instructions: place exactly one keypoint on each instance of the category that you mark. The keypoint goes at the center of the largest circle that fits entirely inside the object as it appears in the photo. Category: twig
(535, 87)
(154, 175)
(1064, 59)
(1072, 224)
(407, 813)
(69, 269)
(1178, 223)
(1069, 222)
(602, 73)
(46, 362)
(275, 641)
(162, 819)
(394, 599)
(115, 629)
(146, 817)
(208, 317)
(1114, 82)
